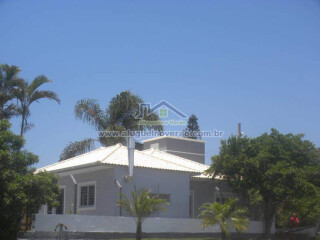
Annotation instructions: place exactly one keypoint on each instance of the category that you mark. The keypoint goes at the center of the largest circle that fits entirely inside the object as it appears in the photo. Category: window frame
(86, 184)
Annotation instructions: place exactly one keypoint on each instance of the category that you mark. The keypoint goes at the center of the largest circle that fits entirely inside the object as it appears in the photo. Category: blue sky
(254, 62)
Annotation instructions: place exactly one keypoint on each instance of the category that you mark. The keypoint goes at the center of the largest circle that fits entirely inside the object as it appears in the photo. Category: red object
(294, 220)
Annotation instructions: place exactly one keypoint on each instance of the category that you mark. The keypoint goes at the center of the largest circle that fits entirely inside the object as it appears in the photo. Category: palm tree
(227, 215)
(119, 116)
(142, 205)
(8, 81)
(27, 94)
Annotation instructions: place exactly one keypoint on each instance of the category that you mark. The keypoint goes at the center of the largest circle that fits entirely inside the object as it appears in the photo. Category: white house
(167, 166)
(90, 183)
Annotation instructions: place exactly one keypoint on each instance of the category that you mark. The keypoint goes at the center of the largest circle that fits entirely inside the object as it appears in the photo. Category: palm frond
(8, 111)
(27, 94)
(239, 219)
(123, 110)
(37, 95)
(227, 215)
(37, 82)
(8, 72)
(109, 140)
(27, 126)
(77, 148)
(89, 111)
(142, 204)
(8, 76)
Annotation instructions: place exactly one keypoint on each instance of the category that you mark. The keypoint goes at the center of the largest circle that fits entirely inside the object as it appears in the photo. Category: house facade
(169, 167)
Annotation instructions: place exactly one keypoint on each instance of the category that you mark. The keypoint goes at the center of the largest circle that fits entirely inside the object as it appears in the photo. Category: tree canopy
(192, 130)
(21, 190)
(8, 82)
(12, 87)
(119, 116)
(283, 169)
(29, 93)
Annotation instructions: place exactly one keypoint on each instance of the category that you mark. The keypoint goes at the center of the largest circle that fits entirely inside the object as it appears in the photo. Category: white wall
(174, 183)
(105, 192)
(86, 223)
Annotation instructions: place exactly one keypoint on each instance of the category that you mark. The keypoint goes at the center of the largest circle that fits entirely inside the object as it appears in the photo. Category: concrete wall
(186, 148)
(162, 144)
(105, 193)
(176, 184)
(82, 223)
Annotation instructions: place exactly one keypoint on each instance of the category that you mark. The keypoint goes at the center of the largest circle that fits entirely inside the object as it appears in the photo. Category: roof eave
(74, 167)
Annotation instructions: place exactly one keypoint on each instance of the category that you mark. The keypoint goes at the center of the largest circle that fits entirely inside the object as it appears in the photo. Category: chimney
(239, 130)
(131, 147)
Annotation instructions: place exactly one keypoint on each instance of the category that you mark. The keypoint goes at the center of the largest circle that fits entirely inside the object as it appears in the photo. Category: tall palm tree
(142, 205)
(27, 94)
(8, 81)
(227, 215)
(119, 116)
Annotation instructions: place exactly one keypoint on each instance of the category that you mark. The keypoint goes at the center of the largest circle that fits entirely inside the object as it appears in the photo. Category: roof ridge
(69, 159)
(119, 145)
(188, 160)
(169, 161)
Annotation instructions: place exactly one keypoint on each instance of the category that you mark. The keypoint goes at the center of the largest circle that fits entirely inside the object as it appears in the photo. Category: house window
(87, 195)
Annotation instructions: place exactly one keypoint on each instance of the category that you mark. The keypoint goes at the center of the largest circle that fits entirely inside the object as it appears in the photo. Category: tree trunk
(22, 124)
(268, 218)
(139, 231)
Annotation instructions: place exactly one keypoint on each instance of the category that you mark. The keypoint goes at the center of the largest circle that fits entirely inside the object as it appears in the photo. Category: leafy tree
(281, 168)
(142, 206)
(227, 215)
(192, 130)
(27, 94)
(8, 81)
(119, 116)
(21, 190)
(307, 208)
